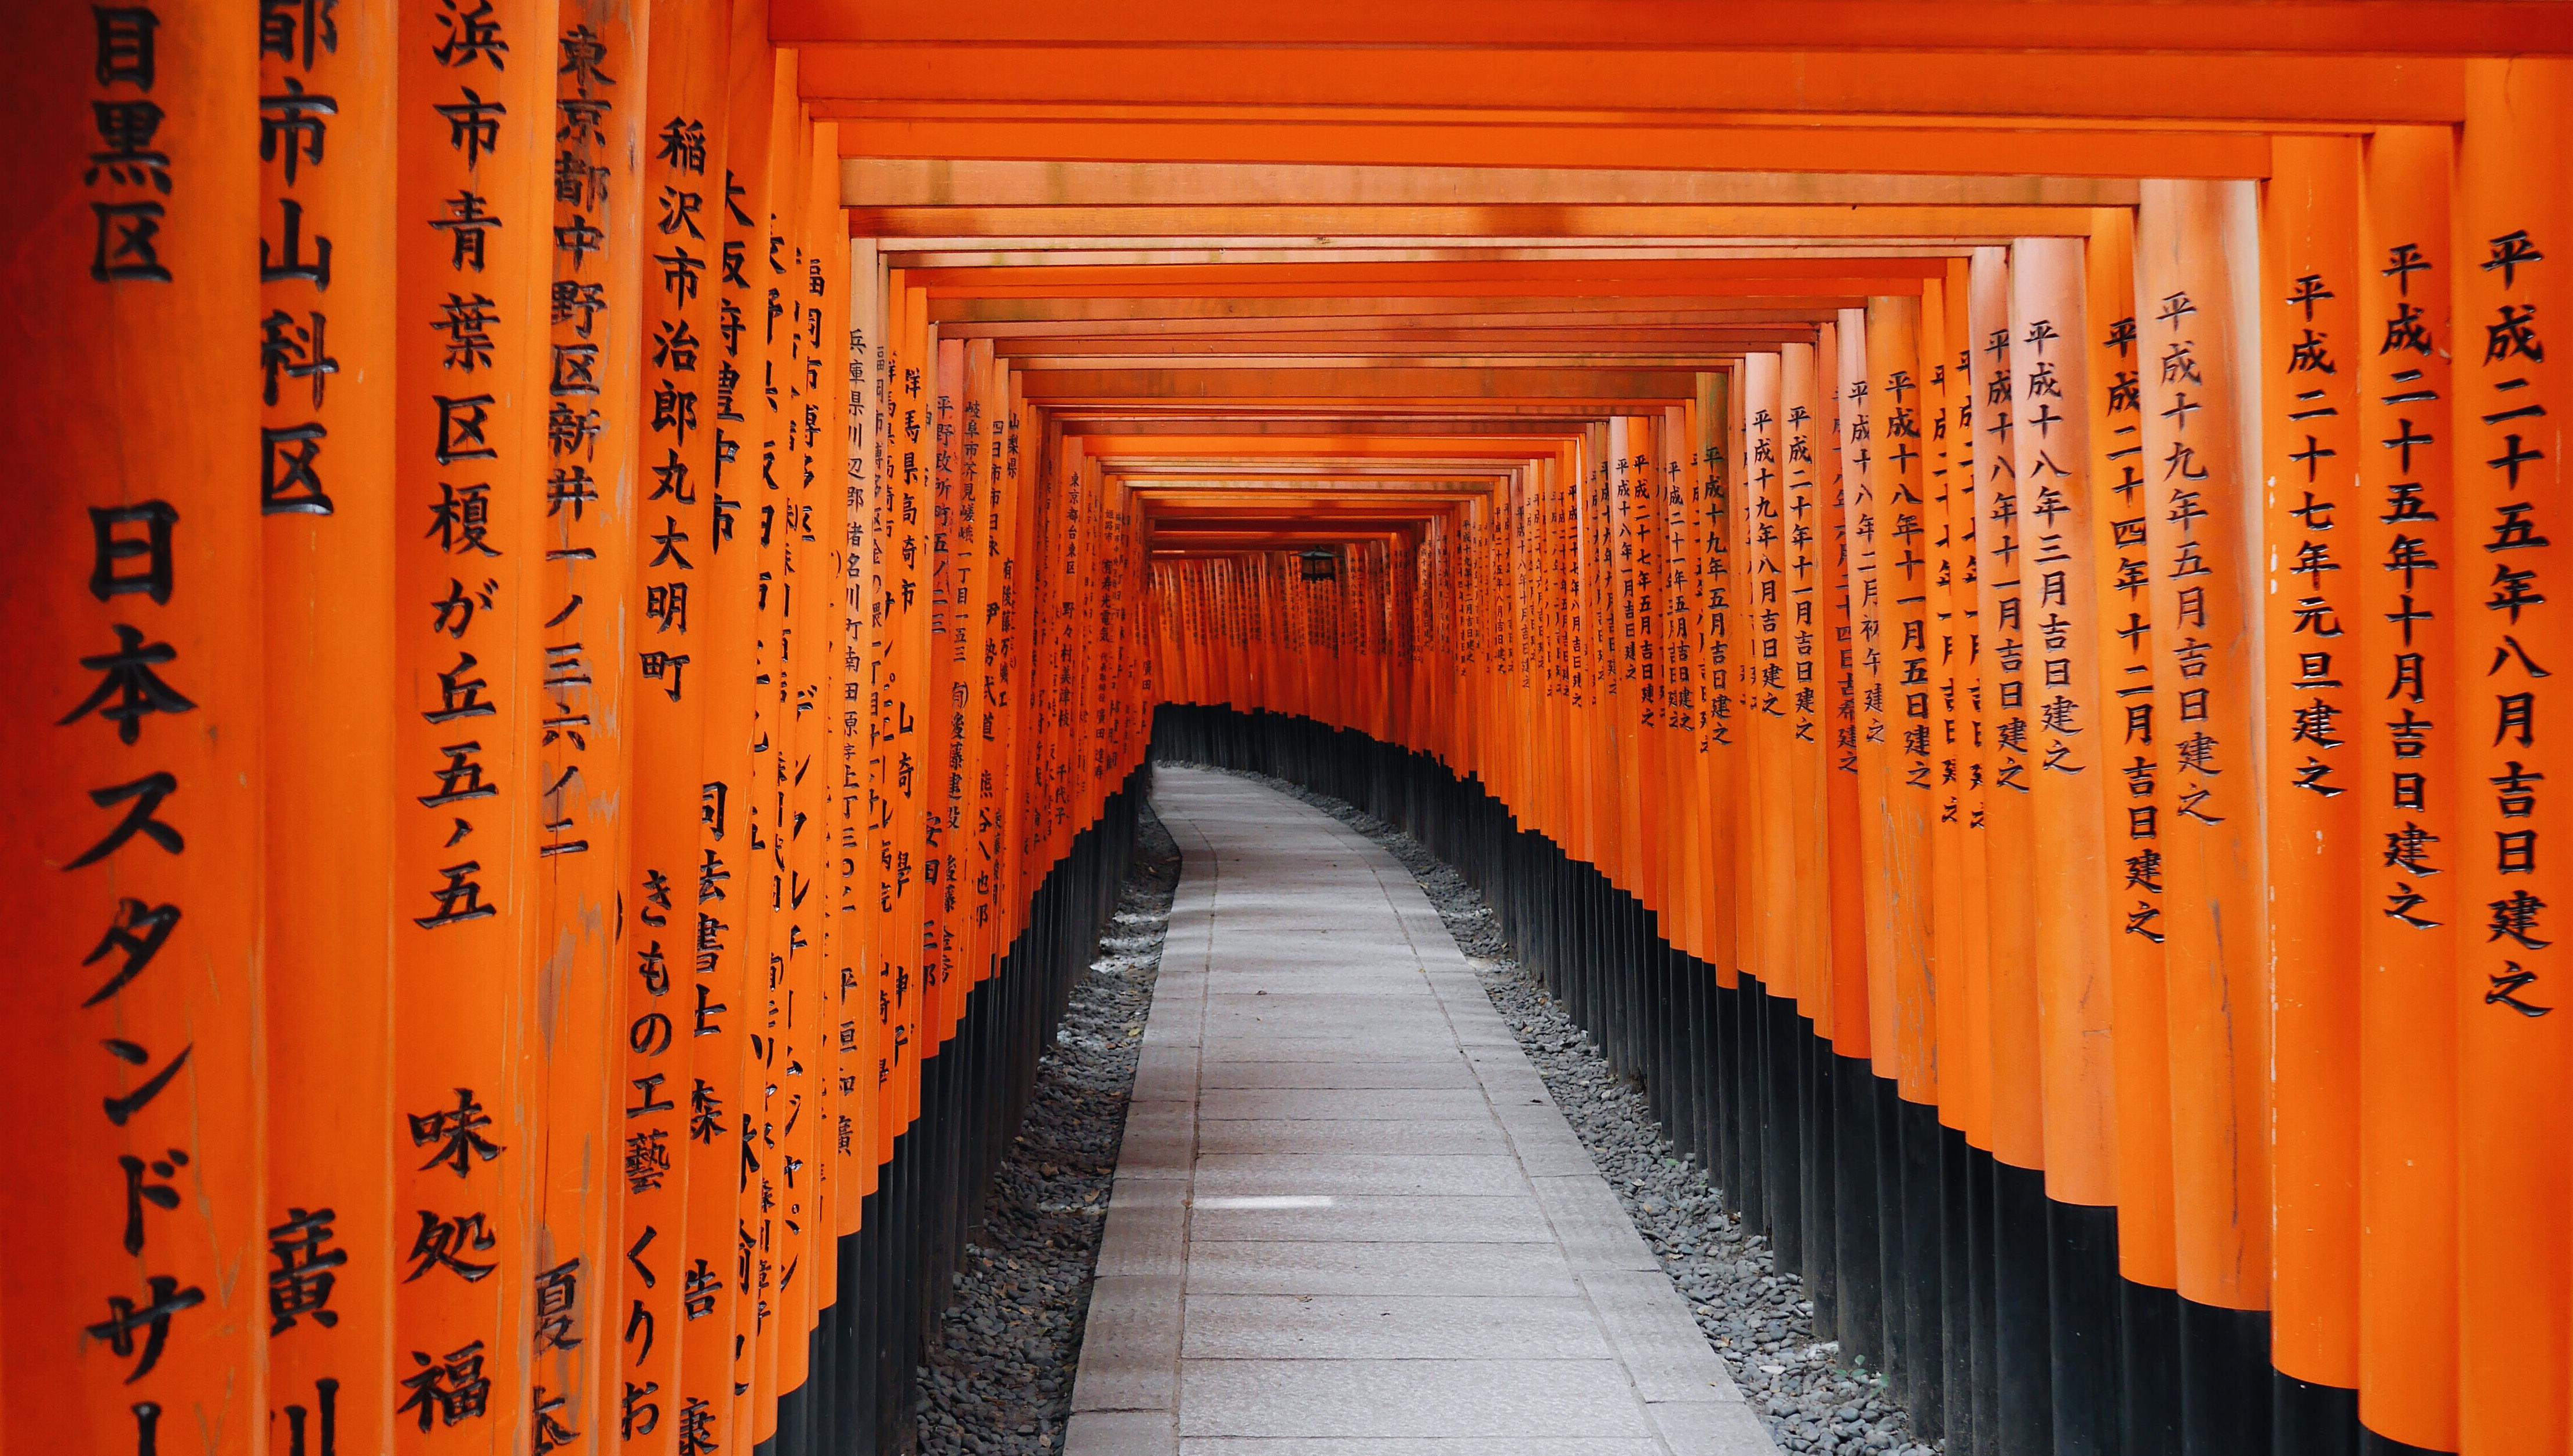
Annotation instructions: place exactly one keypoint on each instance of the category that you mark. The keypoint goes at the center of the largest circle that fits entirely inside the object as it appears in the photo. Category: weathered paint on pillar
(2407, 789)
(136, 1307)
(2193, 345)
(2515, 1151)
(2309, 352)
(326, 555)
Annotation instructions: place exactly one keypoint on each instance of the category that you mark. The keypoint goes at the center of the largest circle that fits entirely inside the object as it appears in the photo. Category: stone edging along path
(999, 1380)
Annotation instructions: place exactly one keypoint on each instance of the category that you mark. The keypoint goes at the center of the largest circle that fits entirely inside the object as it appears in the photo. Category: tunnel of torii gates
(1978, 584)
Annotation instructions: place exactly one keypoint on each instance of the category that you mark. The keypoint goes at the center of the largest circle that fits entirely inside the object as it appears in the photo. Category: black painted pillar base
(2081, 1320)
(2372, 1444)
(2223, 1382)
(1860, 1262)
(2149, 1356)
(2310, 1419)
(859, 1397)
(1917, 1205)
(2023, 1351)
(2000, 1316)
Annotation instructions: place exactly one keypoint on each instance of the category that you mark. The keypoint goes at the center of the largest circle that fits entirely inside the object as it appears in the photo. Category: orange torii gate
(2038, 668)
(1972, 580)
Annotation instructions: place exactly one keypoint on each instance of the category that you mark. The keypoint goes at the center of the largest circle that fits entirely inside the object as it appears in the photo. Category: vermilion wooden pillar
(2310, 343)
(1661, 845)
(840, 637)
(2022, 1375)
(596, 1152)
(2001, 623)
(823, 291)
(791, 1030)
(829, 377)
(1004, 676)
(1807, 434)
(1589, 749)
(941, 758)
(326, 539)
(1744, 488)
(1568, 758)
(1911, 647)
(2408, 791)
(1622, 442)
(1965, 1015)
(2194, 251)
(473, 439)
(2048, 370)
(1905, 569)
(1804, 656)
(1875, 740)
(2514, 1175)
(872, 337)
(730, 994)
(769, 509)
(1720, 727)
(796, 1005)
(1949, 628)
(2133, 869)
(1765, 611)
(2048, 361)
(677, 953)
(1957, 777)
(136, 1314)
(1684, 664)
(1845, 1080)
(1933, 1356)
(980, 447)
(1839, 619)
(906, 703)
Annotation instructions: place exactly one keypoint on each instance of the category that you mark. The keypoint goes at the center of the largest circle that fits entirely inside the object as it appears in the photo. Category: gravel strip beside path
(1756, 1318)
(999, 1379)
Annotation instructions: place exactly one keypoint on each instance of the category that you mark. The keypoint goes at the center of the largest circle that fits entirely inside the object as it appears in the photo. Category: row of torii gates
(592, 580)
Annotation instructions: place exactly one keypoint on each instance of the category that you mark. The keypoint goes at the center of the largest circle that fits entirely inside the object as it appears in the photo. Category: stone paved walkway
(1347, 1219)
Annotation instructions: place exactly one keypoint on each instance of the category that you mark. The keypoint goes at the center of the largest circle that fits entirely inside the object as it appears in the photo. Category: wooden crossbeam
(2197, 27)
(1609, 70)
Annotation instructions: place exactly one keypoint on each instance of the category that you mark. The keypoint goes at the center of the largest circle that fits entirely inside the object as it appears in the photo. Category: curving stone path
(1347, 1218)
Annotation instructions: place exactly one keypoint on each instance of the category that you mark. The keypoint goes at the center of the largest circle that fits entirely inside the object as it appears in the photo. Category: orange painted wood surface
(2043, 565)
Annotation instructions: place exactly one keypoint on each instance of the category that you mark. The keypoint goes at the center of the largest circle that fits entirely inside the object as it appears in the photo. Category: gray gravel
(1756, 1318)
(999, 1379)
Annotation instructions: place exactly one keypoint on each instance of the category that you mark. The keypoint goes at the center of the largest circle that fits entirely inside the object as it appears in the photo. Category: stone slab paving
(1347, 1219)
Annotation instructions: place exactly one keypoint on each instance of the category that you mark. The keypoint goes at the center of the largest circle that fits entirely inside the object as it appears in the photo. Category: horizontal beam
(1598, 359)
(2128, 152)
(912, 183)
(1640, 76)
(1163, 496)
(1182, 528)
(1308, 426)
(1317, 535)
(1665, 338)
(2314, 27)
(1325, 278)
(1218, 479)
(1030, 227)
(1708, 358)
(1345, 385)
(1034, 252)
(1439, 417)
(945, 310)
(1360, 319)
(1342, 447)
